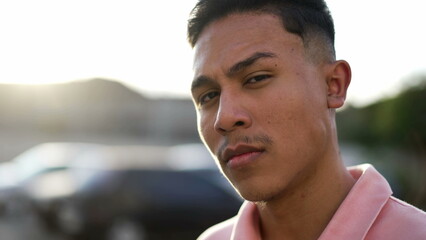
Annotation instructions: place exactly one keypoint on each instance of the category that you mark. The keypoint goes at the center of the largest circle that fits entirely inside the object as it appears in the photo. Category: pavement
(24, 227)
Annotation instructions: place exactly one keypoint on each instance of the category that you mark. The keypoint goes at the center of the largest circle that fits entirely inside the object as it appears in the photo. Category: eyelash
(214, 94)
(257, 78)
(211, 95)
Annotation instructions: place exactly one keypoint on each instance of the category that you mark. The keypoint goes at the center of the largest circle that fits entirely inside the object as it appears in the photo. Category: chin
(256, 196)
(256, 193)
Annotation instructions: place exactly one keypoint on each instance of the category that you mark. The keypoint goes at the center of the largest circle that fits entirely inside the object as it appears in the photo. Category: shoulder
(403, 208)
(220, 231)
(405, 212)
(400, 220)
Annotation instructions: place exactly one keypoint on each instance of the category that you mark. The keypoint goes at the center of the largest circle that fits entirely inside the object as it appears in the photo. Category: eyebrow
(201, 81)
(238, 67)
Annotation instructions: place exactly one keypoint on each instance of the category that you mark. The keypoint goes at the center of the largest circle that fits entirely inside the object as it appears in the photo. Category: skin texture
(266, 112)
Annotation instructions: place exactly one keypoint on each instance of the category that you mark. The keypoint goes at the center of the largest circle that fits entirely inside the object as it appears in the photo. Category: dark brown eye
(257, 78)
(208, 97)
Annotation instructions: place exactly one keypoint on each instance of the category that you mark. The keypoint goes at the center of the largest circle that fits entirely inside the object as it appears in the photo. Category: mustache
(260, 139)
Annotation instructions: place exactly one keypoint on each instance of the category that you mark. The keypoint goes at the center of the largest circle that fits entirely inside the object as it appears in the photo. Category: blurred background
(98, 133)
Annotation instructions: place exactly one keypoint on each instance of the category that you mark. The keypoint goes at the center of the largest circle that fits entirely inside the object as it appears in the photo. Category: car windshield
(48, 157)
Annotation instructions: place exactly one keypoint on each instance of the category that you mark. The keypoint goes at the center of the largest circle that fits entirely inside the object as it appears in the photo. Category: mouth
(240, 155)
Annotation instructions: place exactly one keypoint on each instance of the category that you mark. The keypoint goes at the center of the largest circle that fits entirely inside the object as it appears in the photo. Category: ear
(338, 81)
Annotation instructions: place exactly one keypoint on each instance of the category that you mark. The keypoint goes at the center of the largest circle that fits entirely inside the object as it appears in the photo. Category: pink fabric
(369, 212)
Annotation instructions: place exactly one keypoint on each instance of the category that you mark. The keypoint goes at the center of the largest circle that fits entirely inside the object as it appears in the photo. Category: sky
(143, 43)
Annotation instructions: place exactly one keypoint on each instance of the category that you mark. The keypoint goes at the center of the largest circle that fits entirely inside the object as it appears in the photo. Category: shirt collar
(352, 219)
(361, 207)
(247, 224)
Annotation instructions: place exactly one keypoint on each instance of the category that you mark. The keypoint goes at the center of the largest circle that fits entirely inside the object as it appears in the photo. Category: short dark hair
(309, 19)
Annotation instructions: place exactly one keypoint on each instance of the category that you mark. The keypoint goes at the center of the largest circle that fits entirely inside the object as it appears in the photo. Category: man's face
(262, 105)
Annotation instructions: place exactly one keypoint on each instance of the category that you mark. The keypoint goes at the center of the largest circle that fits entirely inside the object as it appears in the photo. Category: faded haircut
(309, 19)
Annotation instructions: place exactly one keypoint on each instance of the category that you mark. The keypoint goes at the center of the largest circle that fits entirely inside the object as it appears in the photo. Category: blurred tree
(398, 122)
(394, 132)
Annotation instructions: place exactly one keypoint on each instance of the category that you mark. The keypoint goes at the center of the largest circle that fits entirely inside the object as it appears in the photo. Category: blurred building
(95, 110)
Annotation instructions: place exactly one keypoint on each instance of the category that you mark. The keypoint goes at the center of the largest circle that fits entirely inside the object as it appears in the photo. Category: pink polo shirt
(368, 212)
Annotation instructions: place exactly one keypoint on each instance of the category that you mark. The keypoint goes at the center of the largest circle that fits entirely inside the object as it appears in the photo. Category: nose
(231, 115)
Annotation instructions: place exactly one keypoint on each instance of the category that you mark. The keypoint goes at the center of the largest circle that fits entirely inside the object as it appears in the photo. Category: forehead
(239, 35)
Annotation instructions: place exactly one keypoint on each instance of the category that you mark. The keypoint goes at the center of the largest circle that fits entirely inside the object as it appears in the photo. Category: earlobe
(338, 82)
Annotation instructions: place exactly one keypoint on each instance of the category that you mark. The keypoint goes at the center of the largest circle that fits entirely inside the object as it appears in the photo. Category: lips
(239, 151)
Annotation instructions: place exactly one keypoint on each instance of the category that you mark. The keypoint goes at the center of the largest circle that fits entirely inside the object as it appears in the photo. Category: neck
(303, 211)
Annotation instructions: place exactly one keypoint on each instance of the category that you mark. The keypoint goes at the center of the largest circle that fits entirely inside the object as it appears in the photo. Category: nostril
(239, 123)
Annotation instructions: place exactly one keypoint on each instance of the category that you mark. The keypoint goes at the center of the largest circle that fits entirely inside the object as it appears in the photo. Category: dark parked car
(147, 204)
(133, 192)
(37, 174)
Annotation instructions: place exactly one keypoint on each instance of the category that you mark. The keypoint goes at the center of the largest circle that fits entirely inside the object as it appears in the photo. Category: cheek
(206, 130)
(281, 112)
(297, 124)
(289, 118)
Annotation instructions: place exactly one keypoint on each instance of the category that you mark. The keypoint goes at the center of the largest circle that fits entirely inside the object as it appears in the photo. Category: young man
(266, 87)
